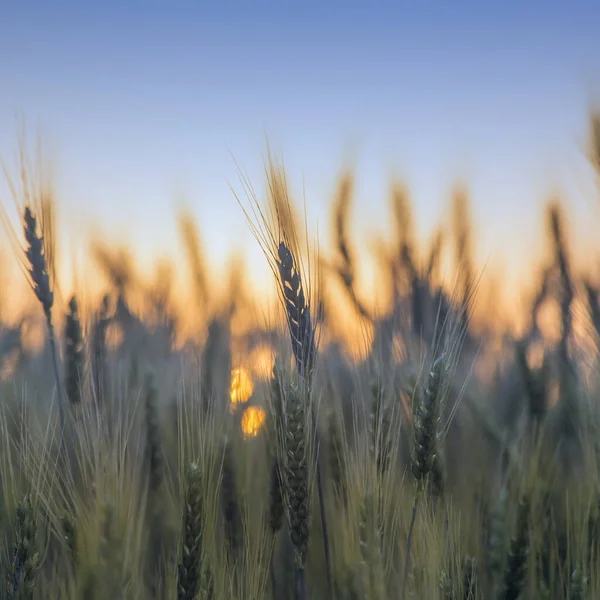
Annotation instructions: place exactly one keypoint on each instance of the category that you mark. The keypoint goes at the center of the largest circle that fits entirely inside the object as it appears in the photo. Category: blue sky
(140, 103)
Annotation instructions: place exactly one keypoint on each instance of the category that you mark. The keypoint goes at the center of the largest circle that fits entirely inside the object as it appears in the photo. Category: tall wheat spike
(297, 312)
(39, 278)
(277, 235)
(304, 347)
(189, 573)
(426, 429)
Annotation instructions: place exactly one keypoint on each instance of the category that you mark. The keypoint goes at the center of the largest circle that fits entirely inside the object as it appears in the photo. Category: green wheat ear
(189, 573)
(426, 424)
(296, 475)
(426, 428)
(26, 558)
(275, 435)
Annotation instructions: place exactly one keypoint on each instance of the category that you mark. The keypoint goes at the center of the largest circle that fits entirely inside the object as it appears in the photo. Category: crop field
(154, 452)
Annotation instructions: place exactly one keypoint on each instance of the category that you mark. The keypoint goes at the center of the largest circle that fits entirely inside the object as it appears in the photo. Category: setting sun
(253, 419)
(241, 386)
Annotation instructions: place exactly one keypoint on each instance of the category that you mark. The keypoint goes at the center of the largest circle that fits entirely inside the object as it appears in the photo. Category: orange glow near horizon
(502, 302)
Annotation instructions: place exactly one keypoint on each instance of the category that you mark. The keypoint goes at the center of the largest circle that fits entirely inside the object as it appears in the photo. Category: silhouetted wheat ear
(275, 434)
(232, 516)
(153, 436)
(38, 267)
(297, 311)
(304, 348)
(26, 558)
(190, 562)
(74, 354)
(535, 385)
(40, 283)
(516, 569)
(99, 352)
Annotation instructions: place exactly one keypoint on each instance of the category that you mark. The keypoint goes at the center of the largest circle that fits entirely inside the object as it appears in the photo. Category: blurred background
(146, 121)
(142, 108)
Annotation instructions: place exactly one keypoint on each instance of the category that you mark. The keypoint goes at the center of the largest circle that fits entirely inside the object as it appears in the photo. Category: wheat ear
(426, 429)
(190, 563)
(26, 559)
(74, 355)
(302, 336)
(40, 283)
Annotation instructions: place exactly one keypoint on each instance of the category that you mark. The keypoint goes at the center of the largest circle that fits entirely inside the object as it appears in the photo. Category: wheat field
(450, 459)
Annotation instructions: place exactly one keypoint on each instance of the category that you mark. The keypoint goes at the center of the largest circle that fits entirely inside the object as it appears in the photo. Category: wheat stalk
(296, 483)
(39, 279)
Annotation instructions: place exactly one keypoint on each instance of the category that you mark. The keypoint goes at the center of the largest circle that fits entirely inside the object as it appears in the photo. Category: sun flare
(241, 386)
(253, 420)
